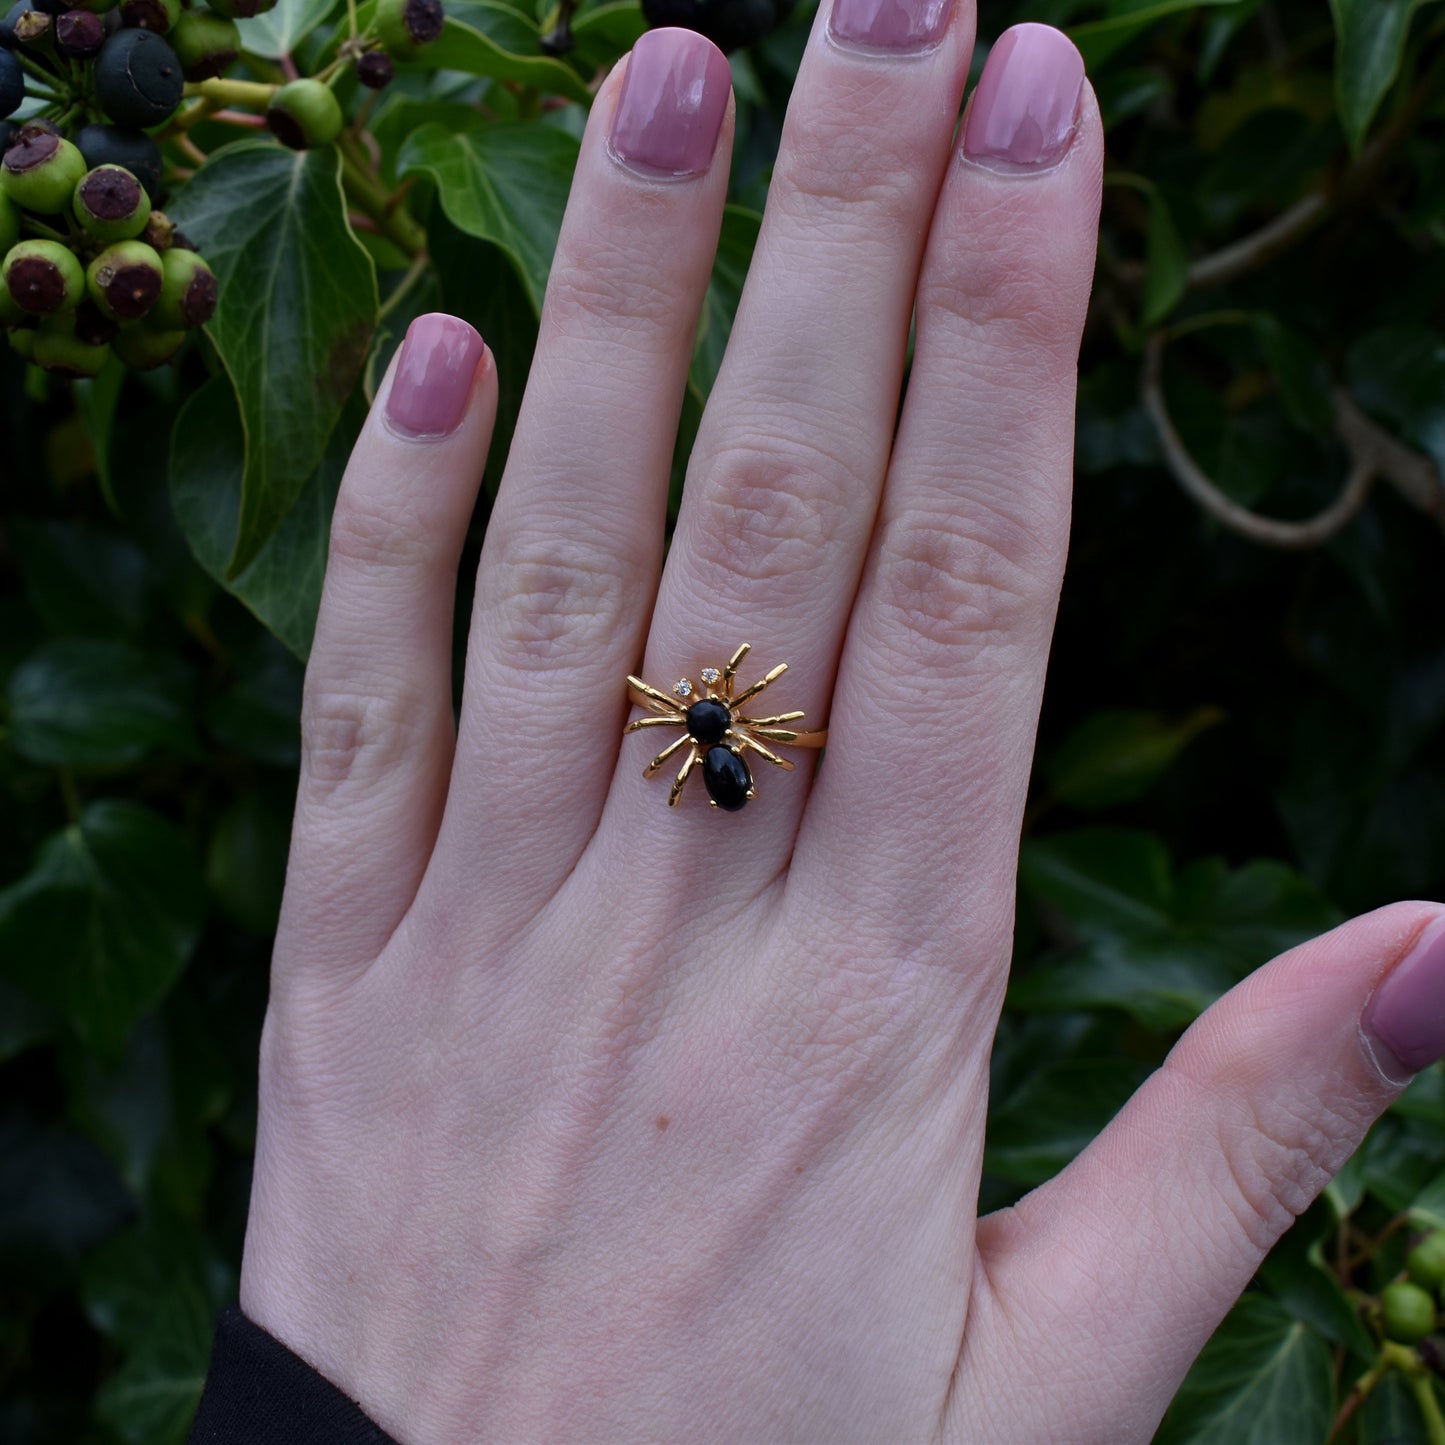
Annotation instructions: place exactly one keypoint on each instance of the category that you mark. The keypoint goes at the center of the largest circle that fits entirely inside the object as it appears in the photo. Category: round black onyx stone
(708, 721)
(727, 778)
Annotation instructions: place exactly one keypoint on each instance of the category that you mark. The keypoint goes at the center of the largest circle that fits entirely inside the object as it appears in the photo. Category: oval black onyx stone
(708, 721)
(727, 778)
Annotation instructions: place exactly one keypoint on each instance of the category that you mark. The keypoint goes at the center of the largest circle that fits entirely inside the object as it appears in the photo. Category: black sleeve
(258, 1393)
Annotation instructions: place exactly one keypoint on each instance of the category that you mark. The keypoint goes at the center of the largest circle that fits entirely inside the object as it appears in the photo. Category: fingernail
(1406, 1013)
(891, 25)
(433, 379)
(674, 95)
(1027, 102)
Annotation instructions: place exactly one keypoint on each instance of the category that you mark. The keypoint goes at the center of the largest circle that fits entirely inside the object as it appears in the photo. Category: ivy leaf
(1263, 1379)
(282, 583)
(1099, 39)
(155, 1291)
(1055, 1113)
(280, 30)
(604, 33)
(484, 37)
(296, 313)
(503, 183)
(91, 703)
(1370, 40)
(1118, 755)
(106, 920)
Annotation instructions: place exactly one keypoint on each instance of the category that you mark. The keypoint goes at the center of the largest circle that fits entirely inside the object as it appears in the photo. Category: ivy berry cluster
(91, 268)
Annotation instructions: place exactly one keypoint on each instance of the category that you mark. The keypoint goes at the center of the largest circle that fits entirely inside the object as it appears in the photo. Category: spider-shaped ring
(715, 731)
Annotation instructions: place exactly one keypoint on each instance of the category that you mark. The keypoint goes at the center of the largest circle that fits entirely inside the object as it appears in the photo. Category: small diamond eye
(683, 688)
(710, 675)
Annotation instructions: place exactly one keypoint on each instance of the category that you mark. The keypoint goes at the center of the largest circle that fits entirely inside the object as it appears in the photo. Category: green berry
(1409, 1312)
(125, 280)
(1426, 1262)
(41, 172)
(188, 291)
(43, 277)
(206, 44)
(59, 349)
(111, 204)
(143, 349)
(22, 342)
(9, 223)
(304, 114)
(405, 24)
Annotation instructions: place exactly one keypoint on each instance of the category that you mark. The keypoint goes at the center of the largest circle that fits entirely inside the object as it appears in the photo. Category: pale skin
(585, 1118)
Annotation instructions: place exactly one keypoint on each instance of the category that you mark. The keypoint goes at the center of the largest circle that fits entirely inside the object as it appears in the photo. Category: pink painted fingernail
(674, 95)
(1406, 1013)
(889, 25)
(1027, 102)
(433, 379)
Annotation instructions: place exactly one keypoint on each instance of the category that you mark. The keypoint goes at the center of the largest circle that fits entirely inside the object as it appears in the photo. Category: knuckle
(372, 534)
(1276, 1164)
(610, 286)
(353, 738)
(551, 599)
(956, 585)
(772, 513)
(822, 167)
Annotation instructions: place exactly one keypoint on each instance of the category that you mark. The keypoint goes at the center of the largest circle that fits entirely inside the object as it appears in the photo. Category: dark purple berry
(138, 79)
(374, 69)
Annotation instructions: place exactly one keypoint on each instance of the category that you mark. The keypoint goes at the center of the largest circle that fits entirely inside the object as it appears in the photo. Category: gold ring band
(717, 733)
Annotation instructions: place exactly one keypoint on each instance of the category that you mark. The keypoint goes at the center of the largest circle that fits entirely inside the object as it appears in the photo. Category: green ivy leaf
(106, 920)
(81, 579)
(282, 583)
(297, 309)
(1054, 1114)
(1166, 258)
(1099, 39)
(503, 183)
(155, 1291)
(280, 30)
(604, 33)
(1263, 1379)
(1160, 947)
(1118, 755)
(484, 37)
(91, 703)
(1370, 40)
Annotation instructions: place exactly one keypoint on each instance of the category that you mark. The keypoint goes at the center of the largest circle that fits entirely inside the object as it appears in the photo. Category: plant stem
(414, 274)
(49, 232)
(1424, 1393)
(250, 93)
(351, 18)
(40, 72)
(365, 190)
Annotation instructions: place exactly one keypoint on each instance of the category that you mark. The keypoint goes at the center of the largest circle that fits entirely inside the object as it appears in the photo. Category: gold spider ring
(715, 730)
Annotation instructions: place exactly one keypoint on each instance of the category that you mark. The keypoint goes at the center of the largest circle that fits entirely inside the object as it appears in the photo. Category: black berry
(138, 79)
(374, 69)
(12, 83)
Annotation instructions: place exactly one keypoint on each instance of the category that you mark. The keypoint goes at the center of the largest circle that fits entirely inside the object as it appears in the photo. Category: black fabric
(258, 1393)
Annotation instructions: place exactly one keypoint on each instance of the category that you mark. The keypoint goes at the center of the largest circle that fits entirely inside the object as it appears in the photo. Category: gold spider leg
(768, 753)
(656, 720)
(730, 671)
(665, 754)
(774, 735)
(772, 675)
(677, 783)
(655, 699)
(771, 722)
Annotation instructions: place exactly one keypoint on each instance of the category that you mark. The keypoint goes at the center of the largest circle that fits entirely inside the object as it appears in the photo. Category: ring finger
(784, 480)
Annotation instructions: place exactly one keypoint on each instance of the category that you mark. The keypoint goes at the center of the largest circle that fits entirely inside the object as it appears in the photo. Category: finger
(783, 484)
(1142, 1244)
(943, 669)
(574, 544)
(376, 717)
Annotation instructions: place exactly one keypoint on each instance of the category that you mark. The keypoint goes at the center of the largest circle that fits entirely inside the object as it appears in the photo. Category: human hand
(587, 1118)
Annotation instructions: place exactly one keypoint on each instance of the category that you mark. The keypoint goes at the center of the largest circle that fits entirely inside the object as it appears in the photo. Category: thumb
(1144, 1242)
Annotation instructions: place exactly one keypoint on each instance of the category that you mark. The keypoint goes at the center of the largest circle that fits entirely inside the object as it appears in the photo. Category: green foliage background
(1241, 744)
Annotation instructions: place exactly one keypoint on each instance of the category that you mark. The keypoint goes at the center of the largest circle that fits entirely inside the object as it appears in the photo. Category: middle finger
(783, 484)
